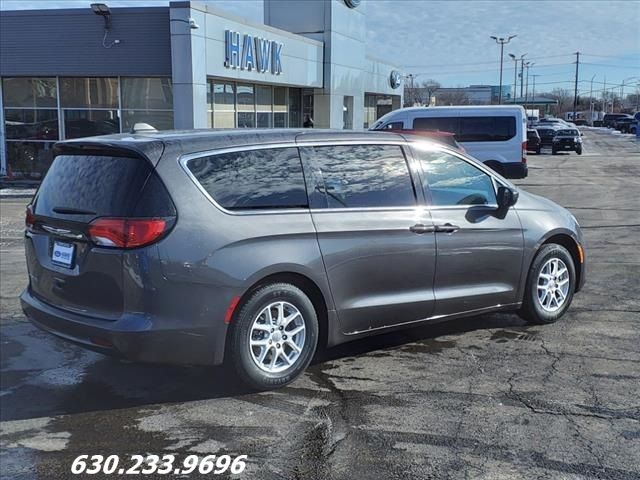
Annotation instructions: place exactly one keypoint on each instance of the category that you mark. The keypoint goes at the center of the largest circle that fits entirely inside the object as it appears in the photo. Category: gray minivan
(254, 246)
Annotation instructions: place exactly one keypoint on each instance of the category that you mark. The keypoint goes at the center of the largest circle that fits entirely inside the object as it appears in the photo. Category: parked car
(547, 133)
(609, 119)
(495, 135)
(623, 124)
(253, 246)
(553, 121)
(567, 139)
(533, 141)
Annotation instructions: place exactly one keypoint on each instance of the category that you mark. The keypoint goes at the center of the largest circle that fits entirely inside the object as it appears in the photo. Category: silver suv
(253, 246)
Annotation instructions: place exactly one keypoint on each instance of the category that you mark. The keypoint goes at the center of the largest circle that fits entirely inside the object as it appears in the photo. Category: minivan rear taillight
(524, 152)
(127, 232)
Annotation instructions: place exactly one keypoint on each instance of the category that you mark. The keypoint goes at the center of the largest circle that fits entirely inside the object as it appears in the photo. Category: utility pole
(591, 101)
(533, 96)
(502, 41)
(575, 90)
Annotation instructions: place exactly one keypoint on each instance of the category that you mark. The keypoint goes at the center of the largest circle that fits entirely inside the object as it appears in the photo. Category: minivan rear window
(92, 186)
(268, 178)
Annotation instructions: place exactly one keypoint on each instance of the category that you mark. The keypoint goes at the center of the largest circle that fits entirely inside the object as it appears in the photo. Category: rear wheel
(550, 285)
(274, 336)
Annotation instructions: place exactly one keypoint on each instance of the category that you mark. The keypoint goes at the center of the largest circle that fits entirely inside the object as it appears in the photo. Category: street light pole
(515, 75)
(502, 41)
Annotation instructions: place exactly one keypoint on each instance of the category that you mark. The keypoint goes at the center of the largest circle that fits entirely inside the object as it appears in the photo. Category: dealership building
(74, 73)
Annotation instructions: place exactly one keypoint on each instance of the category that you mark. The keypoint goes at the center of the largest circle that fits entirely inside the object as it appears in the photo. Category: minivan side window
(357, 176)
(453, 181)
(486, 129)
(254, 179)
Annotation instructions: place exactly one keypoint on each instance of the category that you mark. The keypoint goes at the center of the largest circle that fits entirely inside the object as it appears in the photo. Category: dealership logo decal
(395, 79)
(247, 52)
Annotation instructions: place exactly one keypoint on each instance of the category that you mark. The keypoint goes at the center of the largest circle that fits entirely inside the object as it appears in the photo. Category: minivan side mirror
(506, 197)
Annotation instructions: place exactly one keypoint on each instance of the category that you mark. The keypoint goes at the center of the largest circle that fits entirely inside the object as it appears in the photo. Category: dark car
(256, 246)
(546, 134)
(567, 139)
(610, 119)
(624, 124)
(533, 141)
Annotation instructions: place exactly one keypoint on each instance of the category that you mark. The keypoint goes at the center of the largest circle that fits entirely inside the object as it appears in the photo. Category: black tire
(579, 150)
(538, 151)
(554, 151)
(238, 343)
(531, 310)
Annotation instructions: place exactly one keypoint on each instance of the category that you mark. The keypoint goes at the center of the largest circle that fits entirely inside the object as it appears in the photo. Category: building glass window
(31, 124)
(223, 106)
(147, 100)
(89, 123)
(295, 108)
(246, 106)
(264, 105)
(30, 92)
(89, 93)
(279, 107)
(28, 160)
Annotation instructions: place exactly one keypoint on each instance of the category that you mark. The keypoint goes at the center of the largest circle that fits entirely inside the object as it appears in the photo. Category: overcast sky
(449, 40)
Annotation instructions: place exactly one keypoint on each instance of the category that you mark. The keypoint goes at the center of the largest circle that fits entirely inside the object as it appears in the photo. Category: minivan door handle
(447, 228)
(422, 228)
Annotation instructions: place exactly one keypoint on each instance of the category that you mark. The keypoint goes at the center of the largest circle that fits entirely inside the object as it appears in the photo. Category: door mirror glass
(506, 197)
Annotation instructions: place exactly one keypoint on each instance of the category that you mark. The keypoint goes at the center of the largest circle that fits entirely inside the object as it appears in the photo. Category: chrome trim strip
(438, 317)
(185, 159)
(62, 232)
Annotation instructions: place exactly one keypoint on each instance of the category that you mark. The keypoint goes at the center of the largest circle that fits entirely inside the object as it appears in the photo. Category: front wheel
(550, 285)
(579, 150)
(554, 151)
(274, 336)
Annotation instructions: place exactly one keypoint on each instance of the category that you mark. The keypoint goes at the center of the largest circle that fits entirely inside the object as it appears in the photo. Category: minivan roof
(152, 144)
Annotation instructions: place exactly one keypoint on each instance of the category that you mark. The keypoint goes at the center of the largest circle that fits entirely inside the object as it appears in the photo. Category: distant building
(472, 95)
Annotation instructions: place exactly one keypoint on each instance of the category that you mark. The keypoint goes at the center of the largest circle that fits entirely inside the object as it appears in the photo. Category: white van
(493, 134)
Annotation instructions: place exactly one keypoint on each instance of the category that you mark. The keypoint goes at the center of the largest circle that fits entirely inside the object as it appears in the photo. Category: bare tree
(420, 94)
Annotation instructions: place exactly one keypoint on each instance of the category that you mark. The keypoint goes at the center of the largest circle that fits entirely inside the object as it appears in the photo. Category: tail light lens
(524, 152)
(30, 218)
(127, 232)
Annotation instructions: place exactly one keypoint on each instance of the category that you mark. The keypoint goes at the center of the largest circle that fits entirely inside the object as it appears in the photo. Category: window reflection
(269, 178)
(358, 176)
(29, 160)
(88, 123)
(30, 124)
(453, 181)
(89, 92)
(29, 92)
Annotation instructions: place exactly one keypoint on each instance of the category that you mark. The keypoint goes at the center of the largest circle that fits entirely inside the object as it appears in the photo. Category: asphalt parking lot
(486, 397)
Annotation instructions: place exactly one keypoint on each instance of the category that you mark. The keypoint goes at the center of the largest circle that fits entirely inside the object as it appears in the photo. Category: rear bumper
(136, 337)
(515, 170)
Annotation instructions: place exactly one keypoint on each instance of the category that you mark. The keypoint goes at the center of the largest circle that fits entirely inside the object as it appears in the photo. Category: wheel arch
(304, 283)
(571, 244)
